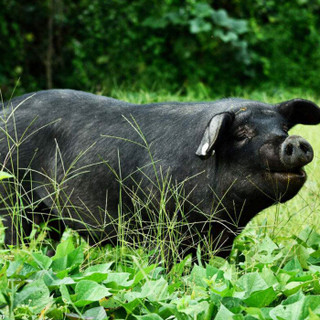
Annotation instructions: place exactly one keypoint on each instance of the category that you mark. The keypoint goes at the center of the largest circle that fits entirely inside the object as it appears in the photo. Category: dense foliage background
(95, 44)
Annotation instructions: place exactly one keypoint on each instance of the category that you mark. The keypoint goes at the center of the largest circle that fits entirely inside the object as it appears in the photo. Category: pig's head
(257, 162)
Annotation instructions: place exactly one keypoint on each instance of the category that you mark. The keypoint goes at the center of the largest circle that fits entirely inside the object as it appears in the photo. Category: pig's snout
(295, 152)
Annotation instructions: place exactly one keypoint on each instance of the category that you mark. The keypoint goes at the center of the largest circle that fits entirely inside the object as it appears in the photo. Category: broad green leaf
(313, 316)
(229, 271)
(155, 290)
(251, 282)
(248, 317)
(97, 273)
(64, 248)
(87, 291)
(292, 288)
(220, 287)
(218, 262)
(129, 306)
(36, 295)
(314, 269)
(14, 268)
(310, 237)
(42, 261)
(284, 277)
(294, 298)
(316, 285)
(97, 313)
(152, 290)
(268, 251)
(68, 262)
(256, 292)
(52, 281)
(223, 313)
(130, 297)
(261, 298)
(314, 258)
(242, 317)
(56, 313)
(215, 298)
(58, 282)
(65, 294)
(211, 271)
(20, 269)
(197, 310)
(233, 304)
(4, 298)
(267, 246)
(299, 309)
(75, 258)
(3, 287)
(220, 282)
(293, 265)
(302, 255)
(118, 280)
(268, 276)
(102, 268)
(150, 316)
(258, 312)
(198, 276)
(170, 311)
(109, 302)
(304, 276)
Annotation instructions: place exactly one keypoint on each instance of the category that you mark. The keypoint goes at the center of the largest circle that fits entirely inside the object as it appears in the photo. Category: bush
(95, 45)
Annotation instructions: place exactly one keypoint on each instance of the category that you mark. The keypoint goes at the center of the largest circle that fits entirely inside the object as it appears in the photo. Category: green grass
(273, 271)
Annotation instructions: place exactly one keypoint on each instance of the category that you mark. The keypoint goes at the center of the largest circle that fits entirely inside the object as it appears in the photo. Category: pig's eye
(244, 133)
(241, 134)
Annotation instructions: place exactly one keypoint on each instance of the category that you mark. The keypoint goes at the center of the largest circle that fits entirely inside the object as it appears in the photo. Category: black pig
(86, 158)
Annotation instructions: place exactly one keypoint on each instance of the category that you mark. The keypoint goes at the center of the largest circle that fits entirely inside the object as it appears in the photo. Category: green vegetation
(273, 271)
(151, 51)
(78, 283)
(93, 45)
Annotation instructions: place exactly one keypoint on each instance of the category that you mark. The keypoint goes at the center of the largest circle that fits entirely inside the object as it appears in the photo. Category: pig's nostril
(289, 149)
(305, 148)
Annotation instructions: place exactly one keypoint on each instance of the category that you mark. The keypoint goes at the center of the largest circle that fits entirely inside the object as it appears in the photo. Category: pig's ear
(300, 111)
(212, 134)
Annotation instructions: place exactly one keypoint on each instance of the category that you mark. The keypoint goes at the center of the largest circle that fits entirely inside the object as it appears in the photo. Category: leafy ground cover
(273, 271)
(271, 282)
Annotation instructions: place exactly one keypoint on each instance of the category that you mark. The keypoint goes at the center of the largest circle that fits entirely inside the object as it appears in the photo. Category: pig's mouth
(286, 184)
(291, 177)
(288, 175)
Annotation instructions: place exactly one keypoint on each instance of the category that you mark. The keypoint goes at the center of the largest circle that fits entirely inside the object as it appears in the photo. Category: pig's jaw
(286, 184)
